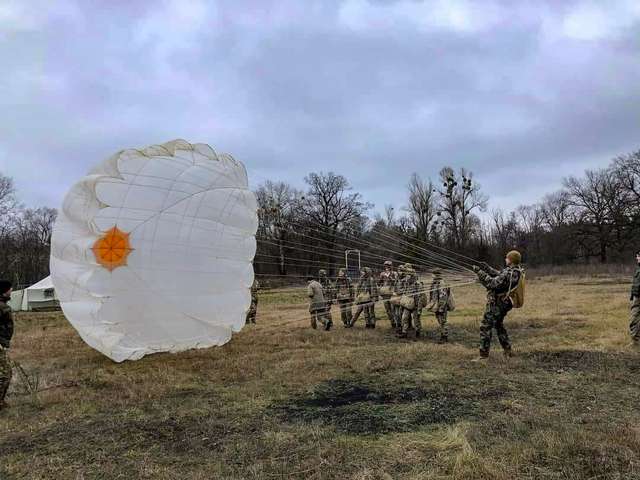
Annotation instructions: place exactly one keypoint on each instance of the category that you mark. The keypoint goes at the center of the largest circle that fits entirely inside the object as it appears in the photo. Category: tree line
(593, 218)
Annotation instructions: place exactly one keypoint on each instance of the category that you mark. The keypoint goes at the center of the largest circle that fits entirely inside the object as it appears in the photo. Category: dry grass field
(284, 401)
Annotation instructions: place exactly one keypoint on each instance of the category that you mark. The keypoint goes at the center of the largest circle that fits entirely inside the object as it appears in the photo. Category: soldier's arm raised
(495, 282)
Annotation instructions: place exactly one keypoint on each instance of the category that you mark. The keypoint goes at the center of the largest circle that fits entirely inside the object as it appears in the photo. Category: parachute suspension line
(427, 252)
(305, 315)
(395, 239)
(304, 262)
(443, 261)
(332, 253)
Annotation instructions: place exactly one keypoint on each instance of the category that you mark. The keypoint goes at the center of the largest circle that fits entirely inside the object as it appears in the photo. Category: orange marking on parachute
(112, 249)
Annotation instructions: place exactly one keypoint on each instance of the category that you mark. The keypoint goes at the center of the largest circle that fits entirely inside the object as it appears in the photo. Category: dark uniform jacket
(6, 323)
(499, 283)
(635, 286)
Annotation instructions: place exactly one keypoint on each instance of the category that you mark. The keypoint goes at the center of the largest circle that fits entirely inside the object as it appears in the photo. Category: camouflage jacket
(6, 323)
(439, 296)
(635, 286)
(316, 296)
(343, 288)
(410, 287)
(367, 285)
(498, 283)
(387, 279)
(327, 287)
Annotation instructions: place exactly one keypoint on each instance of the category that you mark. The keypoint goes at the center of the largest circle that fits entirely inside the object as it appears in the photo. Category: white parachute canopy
(152, 251)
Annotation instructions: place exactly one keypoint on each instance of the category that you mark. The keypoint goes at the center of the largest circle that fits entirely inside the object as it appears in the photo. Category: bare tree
(593, 197)
(505, 229)
(331, 207)
(460, 196)
(421, 208)
(7, 195)
(278, 210)
(556, 210)
(330, 204)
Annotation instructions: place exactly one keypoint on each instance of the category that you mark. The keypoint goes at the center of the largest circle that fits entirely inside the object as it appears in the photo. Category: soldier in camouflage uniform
(439, 301)
(411, 292)
(395, 299)
(386, 283)
(6, 332)
(634, 326)
(366, 295)
(317, 304)
(423, 301)
(344, 297)
(327, 289)
(498, 284)
(253, 308)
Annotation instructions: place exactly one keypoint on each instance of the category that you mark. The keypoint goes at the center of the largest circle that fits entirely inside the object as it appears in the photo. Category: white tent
(39, 296)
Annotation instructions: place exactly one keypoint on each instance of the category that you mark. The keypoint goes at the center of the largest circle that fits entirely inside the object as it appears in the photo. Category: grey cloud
(288, 89)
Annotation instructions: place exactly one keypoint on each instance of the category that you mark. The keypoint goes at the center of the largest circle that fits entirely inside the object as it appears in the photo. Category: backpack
(451, 303)
(516, 294)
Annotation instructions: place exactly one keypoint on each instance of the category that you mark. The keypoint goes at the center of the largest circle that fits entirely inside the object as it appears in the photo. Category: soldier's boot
(484, 355)
(328, 324)
(418, 333)
(314, 322)
(443, 339)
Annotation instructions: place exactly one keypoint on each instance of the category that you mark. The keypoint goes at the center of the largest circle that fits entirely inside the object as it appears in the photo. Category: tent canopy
(39, 296)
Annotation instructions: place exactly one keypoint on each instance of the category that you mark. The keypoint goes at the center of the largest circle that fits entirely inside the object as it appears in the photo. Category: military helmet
(341, 272)
(322, 271)
(388, 263)
(515, 257)
(401, 268)
(408, 266)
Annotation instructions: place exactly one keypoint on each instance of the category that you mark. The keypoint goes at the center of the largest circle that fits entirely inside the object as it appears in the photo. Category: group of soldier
(402, 293)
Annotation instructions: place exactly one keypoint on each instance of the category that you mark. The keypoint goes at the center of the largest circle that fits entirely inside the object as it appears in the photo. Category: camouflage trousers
(369, 314)
(441, 317)
(5, 373)
(410, 317)
(494, 316)
(634, 326)
(345, 311)
(327, 310)
(397, 311)
(253, 309)
(320, 316)
(391, 311)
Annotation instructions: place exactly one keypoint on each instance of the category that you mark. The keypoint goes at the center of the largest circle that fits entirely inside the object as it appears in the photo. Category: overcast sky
(374, 90)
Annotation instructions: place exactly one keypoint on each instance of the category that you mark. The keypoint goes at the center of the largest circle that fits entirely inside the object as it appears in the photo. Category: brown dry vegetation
(284, 401)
